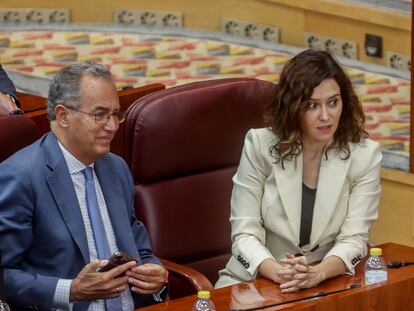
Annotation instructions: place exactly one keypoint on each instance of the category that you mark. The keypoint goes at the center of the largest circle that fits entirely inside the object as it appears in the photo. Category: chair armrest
(198, 280)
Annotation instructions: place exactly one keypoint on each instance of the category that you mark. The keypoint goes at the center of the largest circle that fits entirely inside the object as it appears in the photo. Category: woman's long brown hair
(284, 112)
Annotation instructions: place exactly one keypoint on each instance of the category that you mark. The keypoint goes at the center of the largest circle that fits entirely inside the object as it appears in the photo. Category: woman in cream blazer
(319, 143)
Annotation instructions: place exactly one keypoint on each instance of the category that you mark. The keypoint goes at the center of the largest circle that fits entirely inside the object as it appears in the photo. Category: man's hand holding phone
(117, 259)
(102, 279)
(90, 284)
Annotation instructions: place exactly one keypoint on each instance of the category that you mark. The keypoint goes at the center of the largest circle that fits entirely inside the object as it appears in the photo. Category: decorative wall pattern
(137, 59)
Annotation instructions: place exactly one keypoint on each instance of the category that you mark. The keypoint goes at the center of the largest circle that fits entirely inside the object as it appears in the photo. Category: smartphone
(117, 259)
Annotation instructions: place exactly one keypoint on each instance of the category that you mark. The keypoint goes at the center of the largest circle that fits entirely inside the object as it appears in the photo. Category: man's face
(87, 140)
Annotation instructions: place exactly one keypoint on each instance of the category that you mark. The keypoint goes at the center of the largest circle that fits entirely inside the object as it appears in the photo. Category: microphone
(315, 296)
(399, 264)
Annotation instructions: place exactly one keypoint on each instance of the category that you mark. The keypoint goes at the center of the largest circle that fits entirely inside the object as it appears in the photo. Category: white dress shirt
(61, 297)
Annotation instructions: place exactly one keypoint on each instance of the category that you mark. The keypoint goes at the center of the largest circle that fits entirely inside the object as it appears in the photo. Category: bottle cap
(375, 251)
(203, 294)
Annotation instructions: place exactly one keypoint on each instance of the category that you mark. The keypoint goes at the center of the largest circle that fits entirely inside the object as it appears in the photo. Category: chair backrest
(16, 132)
(183, 146)
(126, 99)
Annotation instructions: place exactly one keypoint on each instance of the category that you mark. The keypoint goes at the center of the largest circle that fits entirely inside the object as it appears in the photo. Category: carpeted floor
(137, 59)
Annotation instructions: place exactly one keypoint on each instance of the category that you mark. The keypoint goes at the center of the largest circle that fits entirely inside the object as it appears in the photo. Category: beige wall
(293, 17)
(394, 39)
(396, 217)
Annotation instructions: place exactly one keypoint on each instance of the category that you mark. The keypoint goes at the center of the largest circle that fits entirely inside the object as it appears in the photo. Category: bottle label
(375, 276)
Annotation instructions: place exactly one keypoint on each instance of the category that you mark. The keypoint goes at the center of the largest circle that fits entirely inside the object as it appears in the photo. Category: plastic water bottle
(4, 306)
(376, 270)
(203, 302)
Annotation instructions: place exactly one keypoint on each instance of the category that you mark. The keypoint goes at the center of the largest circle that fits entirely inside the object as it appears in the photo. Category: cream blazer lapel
(289, 185)
(332, 175)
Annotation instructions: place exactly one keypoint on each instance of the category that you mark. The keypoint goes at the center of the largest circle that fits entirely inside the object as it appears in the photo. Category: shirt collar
(74, 164)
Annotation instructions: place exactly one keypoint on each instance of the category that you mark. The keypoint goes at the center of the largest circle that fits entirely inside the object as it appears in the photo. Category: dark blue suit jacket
(6, 85)
(2, 294)
(41, 227)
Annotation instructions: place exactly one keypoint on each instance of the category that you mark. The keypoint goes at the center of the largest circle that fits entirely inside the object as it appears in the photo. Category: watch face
(162, 294)
(17, 111)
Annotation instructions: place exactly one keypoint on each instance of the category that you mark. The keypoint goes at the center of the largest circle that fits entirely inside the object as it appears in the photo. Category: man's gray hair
(65, 86)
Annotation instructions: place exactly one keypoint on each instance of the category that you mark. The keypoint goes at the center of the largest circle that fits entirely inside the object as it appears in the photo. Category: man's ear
(62, 114)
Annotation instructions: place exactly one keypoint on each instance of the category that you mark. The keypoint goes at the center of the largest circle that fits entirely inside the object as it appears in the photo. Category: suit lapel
(115, 202)
(289, 181)
(332, 175)
(63, 192)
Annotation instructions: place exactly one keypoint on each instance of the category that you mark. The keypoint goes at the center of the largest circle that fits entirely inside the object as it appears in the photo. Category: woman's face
(323, 111)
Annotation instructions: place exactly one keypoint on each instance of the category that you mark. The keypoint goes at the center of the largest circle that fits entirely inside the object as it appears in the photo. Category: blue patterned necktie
(98, 229)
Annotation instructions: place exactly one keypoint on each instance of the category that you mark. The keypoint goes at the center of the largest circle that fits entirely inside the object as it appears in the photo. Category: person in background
(8, 99)
(307, 188)
(67, 204)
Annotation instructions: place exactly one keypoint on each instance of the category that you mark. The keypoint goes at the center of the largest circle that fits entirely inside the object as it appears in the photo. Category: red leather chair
(183, 146)
(16, 132)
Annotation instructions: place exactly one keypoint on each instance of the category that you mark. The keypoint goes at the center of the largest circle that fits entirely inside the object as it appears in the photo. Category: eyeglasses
(102, 118)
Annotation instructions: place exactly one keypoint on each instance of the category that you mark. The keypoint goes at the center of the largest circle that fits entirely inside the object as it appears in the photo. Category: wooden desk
(35, 108)
(29, 102)
(396, 294)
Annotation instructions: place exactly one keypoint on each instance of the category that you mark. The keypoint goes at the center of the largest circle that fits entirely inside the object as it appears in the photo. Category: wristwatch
(16, 112)
(163, 292)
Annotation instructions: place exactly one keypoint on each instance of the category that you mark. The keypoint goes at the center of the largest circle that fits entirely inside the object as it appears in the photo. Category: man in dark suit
(8, 98)
(66, 204)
